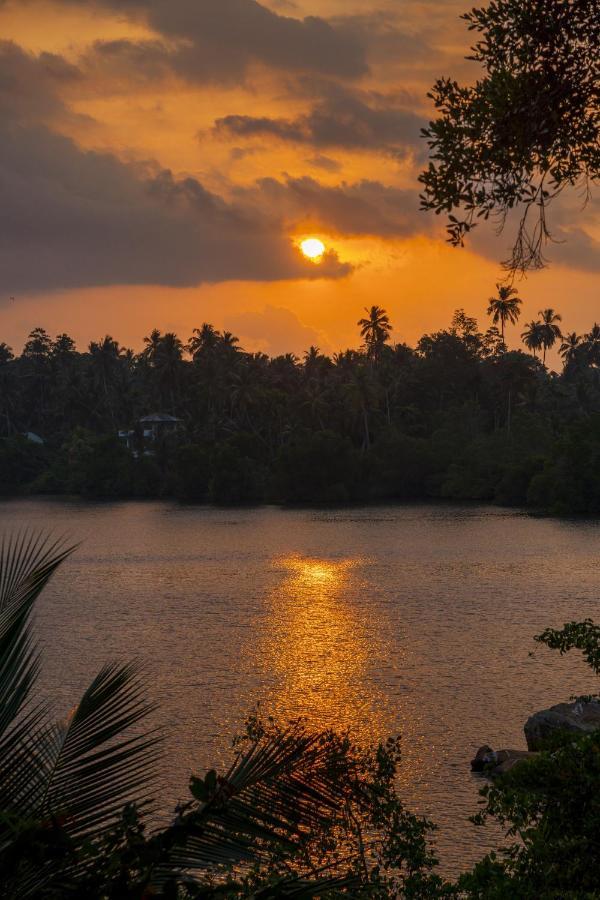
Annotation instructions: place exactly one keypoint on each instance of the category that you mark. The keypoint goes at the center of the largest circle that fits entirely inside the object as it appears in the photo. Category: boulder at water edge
(497, 762)
(579, 717)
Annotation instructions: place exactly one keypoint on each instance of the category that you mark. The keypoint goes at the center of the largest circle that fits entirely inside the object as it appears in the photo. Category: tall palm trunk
(367, 435)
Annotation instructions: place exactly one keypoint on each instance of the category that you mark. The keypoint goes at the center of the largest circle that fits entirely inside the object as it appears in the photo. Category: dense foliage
(528, 128)
(457, 417)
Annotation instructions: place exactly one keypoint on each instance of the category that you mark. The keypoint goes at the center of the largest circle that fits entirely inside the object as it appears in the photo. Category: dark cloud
(575, 248)
(385, 38)
(237, 153)
(220, 39)
(347, 119)
(72, 218)
(571, 246)
(326, 163)
(363, 208)
(29, 84)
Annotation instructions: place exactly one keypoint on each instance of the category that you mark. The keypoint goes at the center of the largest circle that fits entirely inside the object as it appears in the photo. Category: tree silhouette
(570, 347)
(513, 139)
(592, 345)
(505, 307)
(239, 411)
(533, 337)
(203, 340)
(550, 329)
(105, 359)
(375, 330)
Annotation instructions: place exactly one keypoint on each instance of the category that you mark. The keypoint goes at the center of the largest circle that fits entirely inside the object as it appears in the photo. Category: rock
(498, 762)
(509, 758)
(483, 759)
(579, 717)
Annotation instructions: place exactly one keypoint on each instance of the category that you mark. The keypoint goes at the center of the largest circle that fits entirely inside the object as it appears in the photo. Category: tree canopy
(525, 130)
(459, 416)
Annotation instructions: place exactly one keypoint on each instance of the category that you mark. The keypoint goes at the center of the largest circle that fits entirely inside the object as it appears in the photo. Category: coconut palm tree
(105, 361)
(533, 337)
(550, 329)
(570, 347)
(375, 330)
(229, 341)
(152, 348)
(203, 339)
(167, 361)
(505, 307)
(591, 342)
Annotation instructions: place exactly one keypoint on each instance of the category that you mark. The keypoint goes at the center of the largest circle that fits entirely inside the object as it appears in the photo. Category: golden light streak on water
(319, 648)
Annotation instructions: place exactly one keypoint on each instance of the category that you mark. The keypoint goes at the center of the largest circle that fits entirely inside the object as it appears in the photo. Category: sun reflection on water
(318, 649)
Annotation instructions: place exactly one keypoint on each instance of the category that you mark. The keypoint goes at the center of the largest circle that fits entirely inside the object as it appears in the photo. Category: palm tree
(229, 341)
(375, 330)
(105, 360)
(592, 345)
(550, 329)
(505, 307)
(167, 361)
(152, 348)
(570, 347)
(533, 337)
(203, 339)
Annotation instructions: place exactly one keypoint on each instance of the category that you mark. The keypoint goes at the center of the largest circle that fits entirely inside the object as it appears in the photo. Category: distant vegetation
(458, 417)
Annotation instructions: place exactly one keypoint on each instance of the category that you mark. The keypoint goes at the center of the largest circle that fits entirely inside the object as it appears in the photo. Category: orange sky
(161, 167)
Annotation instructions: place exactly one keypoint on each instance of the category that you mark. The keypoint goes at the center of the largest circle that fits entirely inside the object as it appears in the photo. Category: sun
(313, 248)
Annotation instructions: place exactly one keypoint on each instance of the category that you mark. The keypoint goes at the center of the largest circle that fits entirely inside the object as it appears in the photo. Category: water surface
(416, 620)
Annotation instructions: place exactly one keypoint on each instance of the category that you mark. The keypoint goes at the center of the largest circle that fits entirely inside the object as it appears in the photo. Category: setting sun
(313, 248)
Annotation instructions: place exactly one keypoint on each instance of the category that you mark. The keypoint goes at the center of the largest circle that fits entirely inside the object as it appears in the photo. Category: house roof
(158, 418)
(33, 437)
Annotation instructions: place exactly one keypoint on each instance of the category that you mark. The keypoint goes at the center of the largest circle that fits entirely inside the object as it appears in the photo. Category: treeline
(458, 417)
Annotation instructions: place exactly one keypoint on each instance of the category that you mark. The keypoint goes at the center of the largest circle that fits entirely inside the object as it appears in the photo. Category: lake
(416, 620)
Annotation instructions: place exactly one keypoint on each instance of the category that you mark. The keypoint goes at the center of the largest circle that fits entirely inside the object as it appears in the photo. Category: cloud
(361, 208)
(346, 119)
(324, 162)
(74, 218)
(30, 85)
(572, 228)
(386, 39)
(273, 331)
(218, 40)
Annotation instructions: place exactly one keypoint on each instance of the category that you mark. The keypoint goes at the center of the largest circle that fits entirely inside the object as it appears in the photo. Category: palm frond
(276, 792)
(27, 562)
(85, 771)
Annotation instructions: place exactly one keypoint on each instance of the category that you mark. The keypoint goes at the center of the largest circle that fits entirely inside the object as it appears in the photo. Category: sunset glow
(199, 152)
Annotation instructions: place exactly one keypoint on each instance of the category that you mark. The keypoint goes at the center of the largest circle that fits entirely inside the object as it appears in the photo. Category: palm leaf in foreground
(27, 562)
(281, 790)
(66, 781)
(86, 770)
